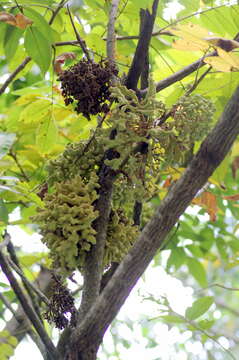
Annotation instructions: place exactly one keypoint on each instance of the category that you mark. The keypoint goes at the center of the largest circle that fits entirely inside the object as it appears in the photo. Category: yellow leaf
(47, 134)
(189, 31)
(26, 99)
(189, 45)
(35, 111)
(218, 64)
(231, 59)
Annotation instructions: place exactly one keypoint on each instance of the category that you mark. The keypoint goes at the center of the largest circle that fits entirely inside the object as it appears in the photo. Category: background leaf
(38, 47)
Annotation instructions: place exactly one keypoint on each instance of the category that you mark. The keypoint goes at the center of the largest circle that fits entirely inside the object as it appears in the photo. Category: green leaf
(40, 23)
(6, 141)
(38, 47)
(206, 324)
(3, 213)
(172, 319)
(176, 258)
(47, 134)
(197, 271)
(199, 307)
(11, 40)
(4, 285)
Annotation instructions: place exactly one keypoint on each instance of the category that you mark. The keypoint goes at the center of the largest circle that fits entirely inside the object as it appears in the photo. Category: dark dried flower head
(87, 83)
(61, 305)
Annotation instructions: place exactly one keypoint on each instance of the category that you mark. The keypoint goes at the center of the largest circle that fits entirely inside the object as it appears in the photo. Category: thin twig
(197, 81)
(41, 296)
(14, 74)
(221, 286)
(26, 284)
(30, 313)
(111, 30)
(228, 308)
(14, 156)
(56, 11)
(8, 305)
(80, 41)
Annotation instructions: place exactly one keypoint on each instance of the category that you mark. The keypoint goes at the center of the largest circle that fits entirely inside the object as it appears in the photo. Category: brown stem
(80, 41)
(56, 11)
(142, 48)
(110, 45)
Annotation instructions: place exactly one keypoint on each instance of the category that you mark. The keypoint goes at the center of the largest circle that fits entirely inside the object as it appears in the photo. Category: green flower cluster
(77, 159)
(193, 116)
(66, 221)
(121, 234)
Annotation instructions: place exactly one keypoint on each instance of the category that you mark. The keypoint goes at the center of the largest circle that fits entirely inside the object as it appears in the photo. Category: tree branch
(142, 48)
(110, 45)
(211, 153)
(93, 267)
(14, 74)
(14, 263)
(56, 11)
(30, 313)
(79, 40)
(40, 294)
(179, 75)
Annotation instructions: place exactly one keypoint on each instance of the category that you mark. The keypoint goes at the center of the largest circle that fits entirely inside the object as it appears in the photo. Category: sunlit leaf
(47, 134)
(199, 307)
(188, 45)
(173, 319)
(218, 63)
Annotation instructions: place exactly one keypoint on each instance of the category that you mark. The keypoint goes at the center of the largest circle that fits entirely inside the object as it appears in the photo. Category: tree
(90, 145)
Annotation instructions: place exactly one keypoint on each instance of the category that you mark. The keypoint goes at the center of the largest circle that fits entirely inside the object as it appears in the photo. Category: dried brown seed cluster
(61, 305)
(88, 84)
